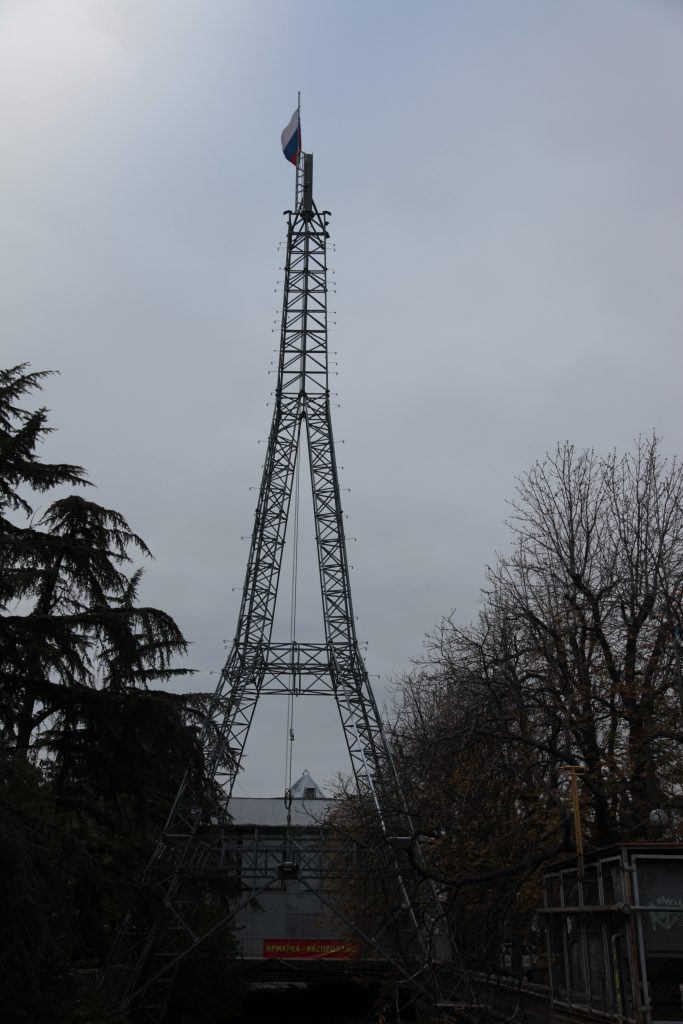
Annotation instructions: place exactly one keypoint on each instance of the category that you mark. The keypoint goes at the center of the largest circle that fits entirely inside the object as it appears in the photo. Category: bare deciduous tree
(575, 659)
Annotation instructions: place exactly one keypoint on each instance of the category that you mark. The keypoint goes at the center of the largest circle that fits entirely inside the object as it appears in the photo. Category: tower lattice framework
(160, 933)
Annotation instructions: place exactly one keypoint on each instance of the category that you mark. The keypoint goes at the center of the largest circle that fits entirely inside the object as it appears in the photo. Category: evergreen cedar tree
(90, 756)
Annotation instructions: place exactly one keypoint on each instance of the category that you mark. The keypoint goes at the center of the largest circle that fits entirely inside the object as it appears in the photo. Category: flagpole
(300, 159)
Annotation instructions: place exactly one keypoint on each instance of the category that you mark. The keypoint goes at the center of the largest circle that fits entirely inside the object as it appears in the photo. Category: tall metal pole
(575, 770)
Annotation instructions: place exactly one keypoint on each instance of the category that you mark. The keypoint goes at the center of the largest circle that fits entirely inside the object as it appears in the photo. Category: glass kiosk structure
(615, 936)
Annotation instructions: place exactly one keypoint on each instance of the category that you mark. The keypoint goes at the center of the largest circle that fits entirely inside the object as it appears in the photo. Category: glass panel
(612, 882)
(591, 896)
(570, 886)
(598, 967)
(660, 885)
(558, 970)
(552, 888)
(575, 955)
(625, 977)
(665, 987)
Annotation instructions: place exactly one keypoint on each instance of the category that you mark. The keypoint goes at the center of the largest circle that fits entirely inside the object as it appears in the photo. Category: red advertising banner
(310, 949)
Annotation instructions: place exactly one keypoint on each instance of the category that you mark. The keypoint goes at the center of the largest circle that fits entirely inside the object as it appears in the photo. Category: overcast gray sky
(506, 186)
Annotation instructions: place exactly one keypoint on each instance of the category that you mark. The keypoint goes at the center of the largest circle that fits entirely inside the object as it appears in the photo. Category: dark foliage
(90, 756)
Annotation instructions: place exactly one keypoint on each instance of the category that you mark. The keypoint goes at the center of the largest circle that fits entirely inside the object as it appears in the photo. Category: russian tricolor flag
(291, 139)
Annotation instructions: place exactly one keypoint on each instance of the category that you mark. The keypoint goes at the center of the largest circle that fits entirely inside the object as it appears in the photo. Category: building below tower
(280, 849)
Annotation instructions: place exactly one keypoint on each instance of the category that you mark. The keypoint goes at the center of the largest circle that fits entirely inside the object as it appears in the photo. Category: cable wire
(289, 743)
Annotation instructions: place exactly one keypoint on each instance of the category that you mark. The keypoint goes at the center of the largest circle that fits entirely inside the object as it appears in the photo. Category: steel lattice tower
(153, 941)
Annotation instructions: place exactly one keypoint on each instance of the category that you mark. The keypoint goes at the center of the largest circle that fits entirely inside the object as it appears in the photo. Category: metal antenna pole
(298, 184)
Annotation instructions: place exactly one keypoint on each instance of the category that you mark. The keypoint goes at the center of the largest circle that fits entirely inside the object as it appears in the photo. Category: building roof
(305, 783)
(272, 811)
(309, 806)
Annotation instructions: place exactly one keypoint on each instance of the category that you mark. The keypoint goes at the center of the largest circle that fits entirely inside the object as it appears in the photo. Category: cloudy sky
(506, 186)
